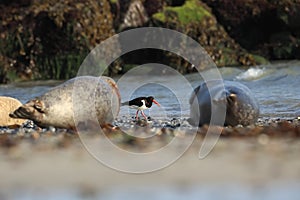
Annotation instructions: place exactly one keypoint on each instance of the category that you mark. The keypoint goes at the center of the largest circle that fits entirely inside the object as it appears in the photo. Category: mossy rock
(195, 19)
(50, 39)
(191, 11)
(260, 60)
(264, 27)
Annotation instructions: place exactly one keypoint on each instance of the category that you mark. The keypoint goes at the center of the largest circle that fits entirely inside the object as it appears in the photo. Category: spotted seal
(234, 98)
(55, 107)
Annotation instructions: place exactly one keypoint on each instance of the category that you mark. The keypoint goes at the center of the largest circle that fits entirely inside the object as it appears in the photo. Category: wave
(251, 74)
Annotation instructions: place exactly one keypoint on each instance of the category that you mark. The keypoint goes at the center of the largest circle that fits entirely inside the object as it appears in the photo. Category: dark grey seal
(232, 98)
(55, 107)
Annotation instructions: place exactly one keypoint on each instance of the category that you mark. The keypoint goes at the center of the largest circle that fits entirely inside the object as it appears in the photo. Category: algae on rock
(50, 39)
(195, 19)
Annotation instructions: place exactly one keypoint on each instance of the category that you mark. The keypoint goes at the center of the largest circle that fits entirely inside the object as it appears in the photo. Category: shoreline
(235, 161)
(251, 156)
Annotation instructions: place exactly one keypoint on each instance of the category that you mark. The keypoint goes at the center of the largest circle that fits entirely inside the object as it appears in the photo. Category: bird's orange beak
(156, 102)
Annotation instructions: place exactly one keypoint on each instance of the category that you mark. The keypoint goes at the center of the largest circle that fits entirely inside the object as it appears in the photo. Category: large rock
(134, 13)
(7, 105)
(195, 19)
(50, 38)
(269, 28)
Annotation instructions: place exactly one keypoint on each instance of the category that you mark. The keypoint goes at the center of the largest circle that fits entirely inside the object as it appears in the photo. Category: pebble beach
(53, 160)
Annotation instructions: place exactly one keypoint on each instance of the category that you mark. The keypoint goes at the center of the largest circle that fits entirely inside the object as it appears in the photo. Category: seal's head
(233, 99)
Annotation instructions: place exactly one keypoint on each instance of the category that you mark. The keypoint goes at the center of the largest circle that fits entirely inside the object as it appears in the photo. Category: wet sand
(267, 153)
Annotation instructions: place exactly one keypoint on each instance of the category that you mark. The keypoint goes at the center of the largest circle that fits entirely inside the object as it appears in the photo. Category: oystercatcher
(141, 103)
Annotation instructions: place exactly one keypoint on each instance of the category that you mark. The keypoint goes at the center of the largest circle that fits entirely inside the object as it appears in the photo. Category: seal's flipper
(22, 112)
(29, 110)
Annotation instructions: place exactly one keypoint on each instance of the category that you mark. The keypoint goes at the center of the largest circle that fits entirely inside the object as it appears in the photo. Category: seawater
(225, 192)
(276, 86)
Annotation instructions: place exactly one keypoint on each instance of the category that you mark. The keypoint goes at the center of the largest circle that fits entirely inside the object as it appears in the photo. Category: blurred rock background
(49, 39)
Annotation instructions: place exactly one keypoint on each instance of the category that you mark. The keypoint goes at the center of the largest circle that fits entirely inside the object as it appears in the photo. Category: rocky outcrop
(191, 17)
(50, 39)
(269, 28)
(8, 105)
(195, 19)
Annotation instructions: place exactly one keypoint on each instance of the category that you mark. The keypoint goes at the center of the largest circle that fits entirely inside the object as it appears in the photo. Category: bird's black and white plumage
(141, 103)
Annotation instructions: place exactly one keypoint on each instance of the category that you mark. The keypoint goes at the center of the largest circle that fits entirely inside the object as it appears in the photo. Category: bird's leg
(136, 115)
(144, 115)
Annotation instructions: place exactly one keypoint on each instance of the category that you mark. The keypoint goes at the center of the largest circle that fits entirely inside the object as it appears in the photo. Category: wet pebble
(5, 130)
(130, 131)
(29, 124)
(185, 124)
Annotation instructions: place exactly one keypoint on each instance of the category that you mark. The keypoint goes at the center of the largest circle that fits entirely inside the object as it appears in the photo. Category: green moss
(260, 60)
(12, 76)
(160, 16)
(190, 11)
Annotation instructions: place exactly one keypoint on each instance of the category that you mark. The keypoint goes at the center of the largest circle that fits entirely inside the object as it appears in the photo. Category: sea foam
(252, 73)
